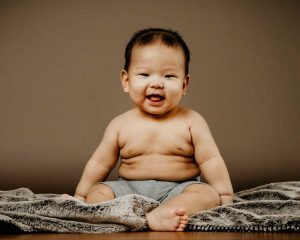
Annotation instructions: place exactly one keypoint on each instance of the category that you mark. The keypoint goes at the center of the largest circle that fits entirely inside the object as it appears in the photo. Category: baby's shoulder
(121, 119)
(192, 115)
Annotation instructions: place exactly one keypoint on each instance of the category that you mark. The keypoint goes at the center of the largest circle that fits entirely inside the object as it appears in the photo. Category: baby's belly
(159, 167)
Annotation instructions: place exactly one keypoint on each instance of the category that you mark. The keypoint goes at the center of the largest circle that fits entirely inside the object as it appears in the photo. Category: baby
(163, 146)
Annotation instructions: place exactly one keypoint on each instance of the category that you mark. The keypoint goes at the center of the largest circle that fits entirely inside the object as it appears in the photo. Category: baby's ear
(186, 82)
(125, 80)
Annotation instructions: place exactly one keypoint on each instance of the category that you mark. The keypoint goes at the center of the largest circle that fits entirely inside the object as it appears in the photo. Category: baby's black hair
(149, 35)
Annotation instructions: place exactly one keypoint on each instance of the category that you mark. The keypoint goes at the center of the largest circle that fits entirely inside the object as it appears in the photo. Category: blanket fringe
(253, 228)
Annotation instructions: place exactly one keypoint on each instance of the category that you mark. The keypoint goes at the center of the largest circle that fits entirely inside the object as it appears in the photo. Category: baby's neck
(164, 116)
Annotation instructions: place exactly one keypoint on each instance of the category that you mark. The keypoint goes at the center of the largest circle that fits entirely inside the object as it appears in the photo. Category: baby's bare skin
(159, 140)
(164, 148)
(178, 147)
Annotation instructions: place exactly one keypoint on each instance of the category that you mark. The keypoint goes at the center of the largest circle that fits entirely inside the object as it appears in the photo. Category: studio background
(59, 83)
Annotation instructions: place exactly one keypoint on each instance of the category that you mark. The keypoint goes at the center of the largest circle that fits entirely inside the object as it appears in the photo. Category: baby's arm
(102, 161)
(211, 163)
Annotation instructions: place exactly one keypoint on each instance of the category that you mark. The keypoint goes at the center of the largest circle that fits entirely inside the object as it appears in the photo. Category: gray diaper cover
(158, 190)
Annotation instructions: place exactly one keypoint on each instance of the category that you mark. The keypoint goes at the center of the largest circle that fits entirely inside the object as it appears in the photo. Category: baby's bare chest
(137, 139)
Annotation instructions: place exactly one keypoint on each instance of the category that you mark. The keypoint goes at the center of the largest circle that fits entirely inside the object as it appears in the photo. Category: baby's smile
(155, 99)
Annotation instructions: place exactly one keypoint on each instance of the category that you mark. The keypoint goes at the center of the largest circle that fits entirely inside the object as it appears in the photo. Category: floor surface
(158, 236)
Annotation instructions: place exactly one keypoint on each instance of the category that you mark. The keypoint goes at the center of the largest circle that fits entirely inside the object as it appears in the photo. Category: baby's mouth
(155, 97)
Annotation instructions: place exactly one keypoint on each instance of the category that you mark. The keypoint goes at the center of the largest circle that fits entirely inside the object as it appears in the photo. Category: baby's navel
(179, 148)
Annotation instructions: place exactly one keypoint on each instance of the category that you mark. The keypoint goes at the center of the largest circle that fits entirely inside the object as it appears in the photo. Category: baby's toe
(184, 217)
(181, 228)
(181, 212)
(183, 221)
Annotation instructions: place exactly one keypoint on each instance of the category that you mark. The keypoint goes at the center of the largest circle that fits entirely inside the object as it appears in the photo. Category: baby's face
(156, 78)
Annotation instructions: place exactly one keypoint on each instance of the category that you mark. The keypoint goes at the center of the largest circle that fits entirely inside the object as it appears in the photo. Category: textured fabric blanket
(271, 207)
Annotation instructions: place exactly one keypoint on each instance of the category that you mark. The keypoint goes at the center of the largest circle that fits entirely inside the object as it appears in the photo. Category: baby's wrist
(226, 199)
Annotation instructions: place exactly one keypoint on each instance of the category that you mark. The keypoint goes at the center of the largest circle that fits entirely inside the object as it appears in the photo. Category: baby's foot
(167, 219)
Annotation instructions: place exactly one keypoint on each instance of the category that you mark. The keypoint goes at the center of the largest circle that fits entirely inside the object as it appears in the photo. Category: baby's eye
(170, 76)
(144, 74)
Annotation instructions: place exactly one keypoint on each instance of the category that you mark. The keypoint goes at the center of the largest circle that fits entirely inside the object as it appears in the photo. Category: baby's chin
(157, 113)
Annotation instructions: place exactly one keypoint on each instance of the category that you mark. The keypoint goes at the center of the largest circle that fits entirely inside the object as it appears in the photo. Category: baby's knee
(101, 192)
(214, 195)
(206, 191)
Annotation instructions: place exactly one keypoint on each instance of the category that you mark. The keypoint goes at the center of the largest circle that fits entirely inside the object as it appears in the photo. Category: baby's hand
(76, 198)
(82, 199)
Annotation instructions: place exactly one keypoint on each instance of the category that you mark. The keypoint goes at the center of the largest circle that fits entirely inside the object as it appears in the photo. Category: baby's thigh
(101, 191)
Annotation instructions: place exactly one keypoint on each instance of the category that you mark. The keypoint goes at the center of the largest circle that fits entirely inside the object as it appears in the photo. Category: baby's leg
(99, 193)
(173, 214)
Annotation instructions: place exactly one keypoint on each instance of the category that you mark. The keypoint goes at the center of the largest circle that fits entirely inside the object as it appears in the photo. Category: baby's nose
(157, 83)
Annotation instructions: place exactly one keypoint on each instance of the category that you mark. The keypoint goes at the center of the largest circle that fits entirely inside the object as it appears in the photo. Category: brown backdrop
(59, 83)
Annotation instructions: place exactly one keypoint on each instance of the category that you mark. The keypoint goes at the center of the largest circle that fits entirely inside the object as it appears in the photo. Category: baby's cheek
(175, 86)
(176, 92)
(139, 88)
